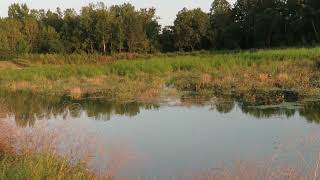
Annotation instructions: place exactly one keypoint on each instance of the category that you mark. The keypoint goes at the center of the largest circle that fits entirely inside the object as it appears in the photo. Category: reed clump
(32, 156)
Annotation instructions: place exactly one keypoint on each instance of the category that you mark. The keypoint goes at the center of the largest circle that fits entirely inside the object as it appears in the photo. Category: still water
(172, 138)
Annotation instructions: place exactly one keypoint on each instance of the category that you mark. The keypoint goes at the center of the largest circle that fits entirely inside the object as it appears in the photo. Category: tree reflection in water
(27, 107)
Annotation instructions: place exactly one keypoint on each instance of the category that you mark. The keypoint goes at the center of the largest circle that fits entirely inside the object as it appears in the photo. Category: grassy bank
(245, 74)
(28, 164)
(40, 166)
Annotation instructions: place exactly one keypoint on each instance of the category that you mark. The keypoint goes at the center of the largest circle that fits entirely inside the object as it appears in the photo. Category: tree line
(123, 28)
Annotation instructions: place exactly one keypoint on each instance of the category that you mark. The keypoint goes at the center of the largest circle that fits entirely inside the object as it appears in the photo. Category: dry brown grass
(8, 137)
(8, 65)
(123, 89)
(206, 78)
(75, 92)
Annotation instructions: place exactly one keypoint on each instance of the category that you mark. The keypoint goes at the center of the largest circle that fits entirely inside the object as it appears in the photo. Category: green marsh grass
(240, 71)
(201, 62)
(40, 166)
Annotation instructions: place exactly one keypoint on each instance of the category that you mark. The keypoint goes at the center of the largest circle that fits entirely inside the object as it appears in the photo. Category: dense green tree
(117, 30)
(103, 28)
(50, 41)
(123, 28)
(166, 39)
(151, 28)
(220, 20)
(71, 31)
(190, 29)
(311, 12)
(53, 19)
(4, 44)
(88, 20)
(17, 11)
(11, 28)
(31, 30)
(135, 37)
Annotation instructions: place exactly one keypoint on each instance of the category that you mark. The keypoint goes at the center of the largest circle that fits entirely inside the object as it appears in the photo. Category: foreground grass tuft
(22, 158)
(40, 166)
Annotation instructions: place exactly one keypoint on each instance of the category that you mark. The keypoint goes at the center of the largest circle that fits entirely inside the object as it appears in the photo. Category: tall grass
(61, 59)
(158, 65)
(40, 166)
(253, 54)
(50, 72)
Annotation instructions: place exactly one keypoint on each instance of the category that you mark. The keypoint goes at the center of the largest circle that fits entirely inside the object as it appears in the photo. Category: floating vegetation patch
(257, 97)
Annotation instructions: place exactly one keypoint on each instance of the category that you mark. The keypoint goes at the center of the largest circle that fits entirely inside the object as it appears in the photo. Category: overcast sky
(166, 9)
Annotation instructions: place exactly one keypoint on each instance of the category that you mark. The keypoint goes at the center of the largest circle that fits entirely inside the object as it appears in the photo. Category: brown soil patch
(8, 65)
(75, 92)
(3, 115)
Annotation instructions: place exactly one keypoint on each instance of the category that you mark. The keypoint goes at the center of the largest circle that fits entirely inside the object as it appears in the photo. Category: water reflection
(27, 107)
(311, 111)
(267, 112)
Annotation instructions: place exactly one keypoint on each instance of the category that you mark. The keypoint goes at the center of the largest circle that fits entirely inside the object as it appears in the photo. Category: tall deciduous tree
(123, 28)
(190, 29)
(220, 19)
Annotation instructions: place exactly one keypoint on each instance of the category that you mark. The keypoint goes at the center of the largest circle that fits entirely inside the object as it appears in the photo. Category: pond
(172, 138)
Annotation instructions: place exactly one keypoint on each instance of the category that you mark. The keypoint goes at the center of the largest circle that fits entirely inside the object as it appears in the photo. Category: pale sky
(166, 9)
